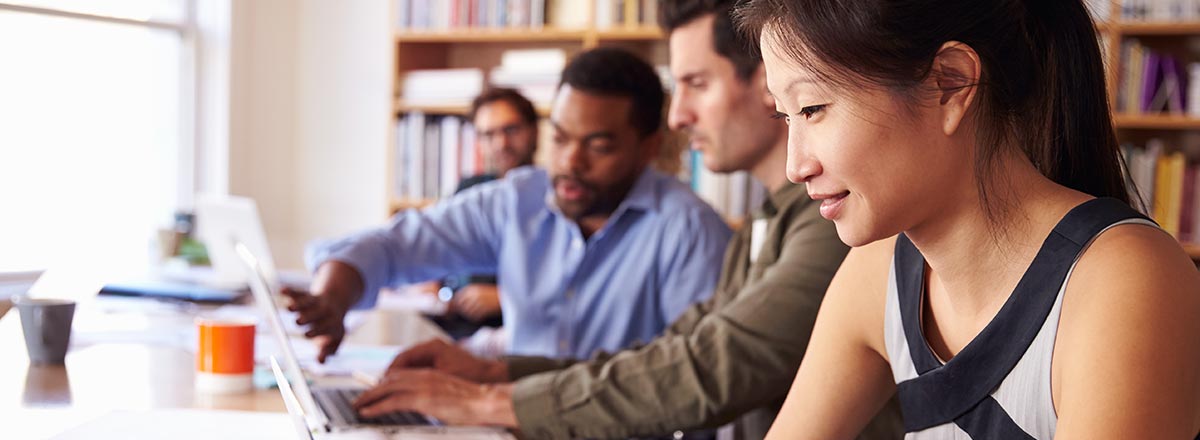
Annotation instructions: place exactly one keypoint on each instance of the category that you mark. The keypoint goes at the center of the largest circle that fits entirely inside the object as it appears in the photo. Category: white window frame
(204, 89)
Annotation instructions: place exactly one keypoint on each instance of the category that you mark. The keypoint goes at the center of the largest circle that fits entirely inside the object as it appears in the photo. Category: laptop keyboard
(336, 403)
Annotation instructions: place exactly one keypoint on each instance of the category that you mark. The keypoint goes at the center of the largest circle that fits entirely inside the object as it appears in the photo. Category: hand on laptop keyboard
(436, 394)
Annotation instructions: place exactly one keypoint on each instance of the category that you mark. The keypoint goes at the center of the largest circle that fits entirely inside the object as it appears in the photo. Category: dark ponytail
(1076, 144)
(1041, 90)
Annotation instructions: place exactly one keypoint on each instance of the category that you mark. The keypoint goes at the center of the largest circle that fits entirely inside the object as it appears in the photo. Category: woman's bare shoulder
(859, 291)
(1128, 321)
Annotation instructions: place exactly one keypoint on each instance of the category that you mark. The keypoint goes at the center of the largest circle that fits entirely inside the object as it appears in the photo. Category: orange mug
(225, 356)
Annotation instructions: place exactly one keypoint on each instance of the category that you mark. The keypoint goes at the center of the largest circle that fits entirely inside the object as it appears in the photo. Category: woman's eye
(811, 110)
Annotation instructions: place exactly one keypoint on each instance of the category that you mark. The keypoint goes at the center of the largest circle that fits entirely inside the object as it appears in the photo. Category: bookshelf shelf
(486, 35)
(397, 205)
(1134, 28)
(644, 33)
(457, 110)
(587, 37)
(1192, 249)
(1156, 122)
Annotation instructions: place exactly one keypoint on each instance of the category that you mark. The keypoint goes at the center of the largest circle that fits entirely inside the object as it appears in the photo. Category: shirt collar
(782, 197)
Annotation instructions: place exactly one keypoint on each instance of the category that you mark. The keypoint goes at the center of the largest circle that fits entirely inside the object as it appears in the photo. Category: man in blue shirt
(596, 253)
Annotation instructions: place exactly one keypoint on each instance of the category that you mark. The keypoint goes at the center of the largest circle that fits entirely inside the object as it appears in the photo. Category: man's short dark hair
(514, 98)
(608, 71)
(727, 41)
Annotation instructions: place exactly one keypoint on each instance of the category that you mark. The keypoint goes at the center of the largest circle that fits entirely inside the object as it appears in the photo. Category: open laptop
(326, 409)
(219, 219)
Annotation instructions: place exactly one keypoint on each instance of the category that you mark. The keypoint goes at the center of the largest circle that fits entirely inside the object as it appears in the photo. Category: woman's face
(878, 166)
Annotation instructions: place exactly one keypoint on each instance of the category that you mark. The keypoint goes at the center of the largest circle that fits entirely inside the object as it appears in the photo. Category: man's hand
(442, 396)
(325, 320)
(335, 287)
(477, 302)
(450, 359)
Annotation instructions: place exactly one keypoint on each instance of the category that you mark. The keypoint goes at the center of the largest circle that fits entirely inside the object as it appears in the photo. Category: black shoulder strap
(959, 391)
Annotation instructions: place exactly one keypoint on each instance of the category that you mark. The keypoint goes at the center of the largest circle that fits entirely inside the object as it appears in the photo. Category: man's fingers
(324, 327)
(420, 355)
(391, 384)
(328, 347)
(312, 316)
(395, 402)
(299, 300)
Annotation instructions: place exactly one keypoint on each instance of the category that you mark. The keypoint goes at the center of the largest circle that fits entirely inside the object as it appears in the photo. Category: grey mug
(47, 327)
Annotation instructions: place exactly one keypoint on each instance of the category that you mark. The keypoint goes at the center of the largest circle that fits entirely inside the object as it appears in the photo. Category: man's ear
(758, 82)
(651, 145)
(955, 74)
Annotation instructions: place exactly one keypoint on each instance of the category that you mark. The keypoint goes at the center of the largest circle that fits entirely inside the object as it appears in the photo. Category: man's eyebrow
(686, 77)
(603, 134)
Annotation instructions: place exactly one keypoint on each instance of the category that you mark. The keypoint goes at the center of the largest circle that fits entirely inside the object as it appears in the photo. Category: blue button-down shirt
(561, 295)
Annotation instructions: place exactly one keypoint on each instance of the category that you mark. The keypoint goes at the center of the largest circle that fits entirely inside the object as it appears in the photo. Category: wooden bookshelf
(483, 48)
(1170, 36)
(1156, 122)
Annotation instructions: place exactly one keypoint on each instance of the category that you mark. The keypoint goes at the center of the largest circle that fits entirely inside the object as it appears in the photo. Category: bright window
(94, 122)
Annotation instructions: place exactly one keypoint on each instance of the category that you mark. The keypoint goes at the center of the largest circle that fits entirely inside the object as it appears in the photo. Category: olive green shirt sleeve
(711, 367)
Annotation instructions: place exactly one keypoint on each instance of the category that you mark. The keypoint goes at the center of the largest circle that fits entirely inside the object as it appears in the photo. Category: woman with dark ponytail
(1001, 286)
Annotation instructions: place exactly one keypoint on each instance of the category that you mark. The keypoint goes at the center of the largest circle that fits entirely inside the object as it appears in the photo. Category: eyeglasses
(493, 135)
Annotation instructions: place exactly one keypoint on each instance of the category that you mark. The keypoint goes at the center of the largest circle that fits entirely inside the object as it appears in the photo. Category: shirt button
(577, 244)
(570, 294)
(562, 345)
(678, 435)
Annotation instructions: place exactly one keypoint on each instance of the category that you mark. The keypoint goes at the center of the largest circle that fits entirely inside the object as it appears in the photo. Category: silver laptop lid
(299, 418)
(262, 296)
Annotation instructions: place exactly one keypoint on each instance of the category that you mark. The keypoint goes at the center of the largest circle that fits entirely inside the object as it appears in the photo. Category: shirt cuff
(522, 366)
(537, 408)
(320, 252)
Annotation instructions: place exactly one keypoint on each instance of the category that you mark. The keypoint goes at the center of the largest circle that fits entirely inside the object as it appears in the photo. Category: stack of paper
(441, 86)
(533, 72)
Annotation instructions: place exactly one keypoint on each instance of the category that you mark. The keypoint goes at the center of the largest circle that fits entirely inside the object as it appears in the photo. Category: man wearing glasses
(506, 132)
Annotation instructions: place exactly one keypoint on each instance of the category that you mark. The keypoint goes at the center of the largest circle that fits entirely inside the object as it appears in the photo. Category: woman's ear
(956, 70)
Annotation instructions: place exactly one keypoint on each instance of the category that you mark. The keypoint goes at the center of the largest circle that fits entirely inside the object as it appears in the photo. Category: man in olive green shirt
(730, 359)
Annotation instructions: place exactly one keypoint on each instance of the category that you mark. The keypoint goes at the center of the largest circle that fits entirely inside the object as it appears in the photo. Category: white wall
(311, 95)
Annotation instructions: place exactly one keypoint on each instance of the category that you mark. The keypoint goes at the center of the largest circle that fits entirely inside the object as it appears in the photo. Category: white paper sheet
(184, 424)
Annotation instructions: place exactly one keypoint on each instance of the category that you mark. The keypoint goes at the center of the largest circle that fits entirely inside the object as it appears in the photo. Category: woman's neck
(977, 260)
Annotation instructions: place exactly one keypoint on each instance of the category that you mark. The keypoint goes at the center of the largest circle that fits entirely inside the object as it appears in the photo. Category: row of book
(1155, 82)
(432, 154)
(1154, 10)
(628, 13)
(733, 195)
(447, 14)
(1163, 183)
(533, 14)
